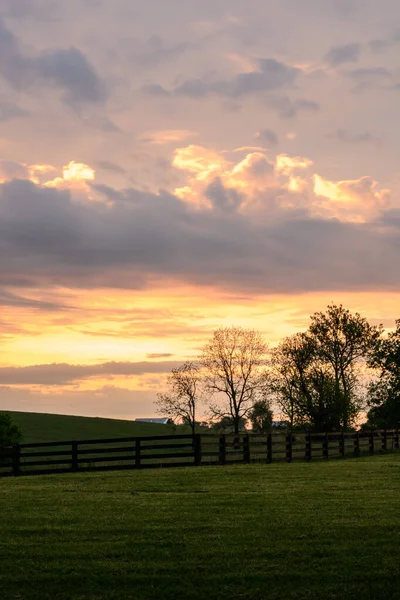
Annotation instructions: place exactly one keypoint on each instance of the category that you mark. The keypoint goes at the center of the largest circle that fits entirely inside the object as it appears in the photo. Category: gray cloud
(66, 69)
(47, 238)
(110, 166)
(159, 355)
(267, 136)
(271, 75)
(339, 55)
(65, 374)
(288, 109)
(9, 299)
(348, 137)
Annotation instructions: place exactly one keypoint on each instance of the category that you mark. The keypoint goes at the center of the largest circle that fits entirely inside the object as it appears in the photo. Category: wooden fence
(187, 450)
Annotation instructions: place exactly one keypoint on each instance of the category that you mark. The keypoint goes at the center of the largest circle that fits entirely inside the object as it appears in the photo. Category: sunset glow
(166, 172)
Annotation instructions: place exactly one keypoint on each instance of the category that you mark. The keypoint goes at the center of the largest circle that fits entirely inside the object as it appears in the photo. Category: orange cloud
(353, 200)
(167, 136)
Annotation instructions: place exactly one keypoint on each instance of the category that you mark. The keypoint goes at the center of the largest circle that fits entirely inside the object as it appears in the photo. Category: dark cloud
(136, 236)
(65, 374)
(289, 109)
(222, 198)
(159, 355)
(268, 137)
(270, 75)
(66, 69)
(110, 166)
(339, 55)
(9, 299)
(348, 137)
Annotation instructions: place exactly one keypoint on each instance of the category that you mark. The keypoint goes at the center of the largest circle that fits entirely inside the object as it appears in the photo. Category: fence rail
(187, 450)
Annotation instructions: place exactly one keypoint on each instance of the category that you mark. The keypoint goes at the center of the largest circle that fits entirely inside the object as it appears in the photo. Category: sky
(169, 167)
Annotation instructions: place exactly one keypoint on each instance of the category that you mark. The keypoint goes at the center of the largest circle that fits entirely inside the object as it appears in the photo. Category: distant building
(157, 421)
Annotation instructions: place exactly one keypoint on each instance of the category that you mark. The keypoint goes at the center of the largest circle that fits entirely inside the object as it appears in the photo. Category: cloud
(288, 109)
(270, 75)
(254, 225)
(110, 166)
(65, 374)
(166, 136)
(159, 355)
(348, 137)
(354, 200)
(339, 55)
(66, 69)
(267, 136)
(10, 299)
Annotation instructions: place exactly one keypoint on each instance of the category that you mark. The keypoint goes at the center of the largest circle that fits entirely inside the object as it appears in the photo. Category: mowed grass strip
(317, 530)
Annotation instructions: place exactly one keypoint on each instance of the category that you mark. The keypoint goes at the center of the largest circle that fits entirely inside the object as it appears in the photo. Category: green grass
(281, 531)
(37, 427)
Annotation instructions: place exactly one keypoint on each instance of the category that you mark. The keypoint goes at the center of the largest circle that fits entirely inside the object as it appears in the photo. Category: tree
(233, 366)
(343, 340)
(303, 385)
(226, 424)
(10, 433)
(384, 394)
(261, 416)
(183, 396)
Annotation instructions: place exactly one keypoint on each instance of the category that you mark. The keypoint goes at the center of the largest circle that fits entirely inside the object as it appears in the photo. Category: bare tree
(183, 395)
(233, 367)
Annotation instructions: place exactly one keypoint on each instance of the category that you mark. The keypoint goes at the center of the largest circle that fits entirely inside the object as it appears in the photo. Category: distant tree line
(317, 380)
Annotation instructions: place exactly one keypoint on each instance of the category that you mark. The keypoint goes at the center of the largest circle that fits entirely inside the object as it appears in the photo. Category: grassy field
(317, 530)
(38, 427)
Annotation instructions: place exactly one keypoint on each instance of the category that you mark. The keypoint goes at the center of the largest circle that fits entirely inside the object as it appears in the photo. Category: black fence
(188, 450)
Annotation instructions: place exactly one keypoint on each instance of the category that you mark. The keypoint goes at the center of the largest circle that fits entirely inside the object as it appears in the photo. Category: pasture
(278, 531)
(40, 427)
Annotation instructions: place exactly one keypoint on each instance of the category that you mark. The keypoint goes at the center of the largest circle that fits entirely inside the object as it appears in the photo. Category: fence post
(137, 454)
(325, 451)
(269, 448)
(197, 449)
(357, 444)
(246, 448)
(222, 449)
(308, 446)
(384, 440)
(342, 445)
(289, 448)
(74, 456)
(396, 440)
(16, 459)
(371, 442)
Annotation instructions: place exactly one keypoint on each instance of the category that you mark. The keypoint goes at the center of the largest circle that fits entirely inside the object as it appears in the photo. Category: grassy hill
(38, 427)
(282, 531)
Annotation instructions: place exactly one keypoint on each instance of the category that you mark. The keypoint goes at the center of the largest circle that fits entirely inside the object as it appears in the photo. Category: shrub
(10, 433)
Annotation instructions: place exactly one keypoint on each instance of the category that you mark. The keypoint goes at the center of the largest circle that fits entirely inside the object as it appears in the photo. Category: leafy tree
(384, 394)
(303, 386)
(183, 396)
(10, 433)
(261, 416)
(343, 340)
(226, 424)
(233, 366)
